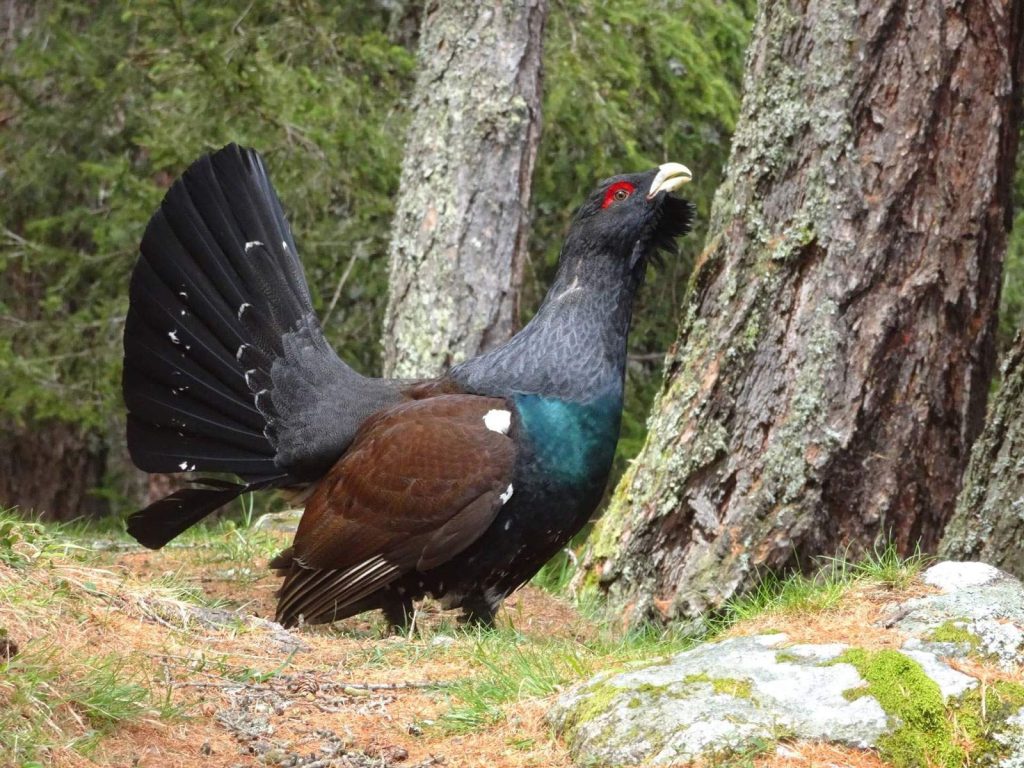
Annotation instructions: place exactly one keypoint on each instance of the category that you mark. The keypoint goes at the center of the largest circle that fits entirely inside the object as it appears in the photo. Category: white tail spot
(183, 466)
(498, 421)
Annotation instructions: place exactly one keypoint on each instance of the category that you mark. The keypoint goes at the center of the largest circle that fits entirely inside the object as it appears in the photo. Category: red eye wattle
(617, 192)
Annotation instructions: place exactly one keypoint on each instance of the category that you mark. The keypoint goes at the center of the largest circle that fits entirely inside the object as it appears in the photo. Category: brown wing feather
(420, 482)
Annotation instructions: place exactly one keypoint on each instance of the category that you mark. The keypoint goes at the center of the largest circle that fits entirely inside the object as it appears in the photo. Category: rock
(1012, 738)
(951, 682)
(952, 576)
(980, 610)
(718, 696)
(744, 692)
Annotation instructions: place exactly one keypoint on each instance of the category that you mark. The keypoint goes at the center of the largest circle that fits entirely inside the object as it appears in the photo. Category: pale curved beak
(671, 176)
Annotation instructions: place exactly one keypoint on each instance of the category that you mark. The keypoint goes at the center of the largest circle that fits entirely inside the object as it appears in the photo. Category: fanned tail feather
(217, 286)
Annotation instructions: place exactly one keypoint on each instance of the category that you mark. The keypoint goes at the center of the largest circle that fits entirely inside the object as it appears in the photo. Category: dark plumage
(460, 487)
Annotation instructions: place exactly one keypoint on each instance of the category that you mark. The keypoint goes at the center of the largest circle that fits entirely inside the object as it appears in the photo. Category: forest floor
(111, 655)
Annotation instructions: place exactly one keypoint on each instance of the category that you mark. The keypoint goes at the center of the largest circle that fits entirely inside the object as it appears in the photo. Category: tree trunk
(50, 468)
(988, 523)
(459, 235)
(833, 363)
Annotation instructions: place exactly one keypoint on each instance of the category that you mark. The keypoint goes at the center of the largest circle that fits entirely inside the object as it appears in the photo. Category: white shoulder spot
(498, 420)
(505, 497)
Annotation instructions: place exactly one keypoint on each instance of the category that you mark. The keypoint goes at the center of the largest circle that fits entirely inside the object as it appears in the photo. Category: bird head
(633, 217)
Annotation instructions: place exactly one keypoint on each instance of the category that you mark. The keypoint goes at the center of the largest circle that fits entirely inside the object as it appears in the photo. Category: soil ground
(126, 657)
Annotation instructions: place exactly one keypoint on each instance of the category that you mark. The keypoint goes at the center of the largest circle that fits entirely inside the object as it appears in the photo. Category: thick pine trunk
(988, 524)
(459, 235)
(832, 367)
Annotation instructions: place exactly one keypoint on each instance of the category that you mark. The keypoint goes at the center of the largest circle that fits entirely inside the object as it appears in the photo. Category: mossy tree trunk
(832, 367)
(988, 524)
(459, 234)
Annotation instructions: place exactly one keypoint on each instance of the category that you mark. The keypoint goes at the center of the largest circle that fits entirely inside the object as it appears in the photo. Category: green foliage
(1011, 308)
(109, 103)
(106, 104)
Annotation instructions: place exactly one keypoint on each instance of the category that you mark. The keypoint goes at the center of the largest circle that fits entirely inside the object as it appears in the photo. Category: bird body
(460, 487)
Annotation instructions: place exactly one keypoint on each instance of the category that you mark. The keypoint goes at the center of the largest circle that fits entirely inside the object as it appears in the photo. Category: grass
(58, 577)
(47, 705)
(514, 667)
(824, 589)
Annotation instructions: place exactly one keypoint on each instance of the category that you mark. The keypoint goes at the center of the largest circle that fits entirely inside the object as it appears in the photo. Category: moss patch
(596, 702)
(976, 720)
(923, 735)
(729, 686)
(954, 632)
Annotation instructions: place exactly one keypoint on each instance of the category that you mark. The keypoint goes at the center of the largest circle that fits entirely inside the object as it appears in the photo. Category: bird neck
(574, 348)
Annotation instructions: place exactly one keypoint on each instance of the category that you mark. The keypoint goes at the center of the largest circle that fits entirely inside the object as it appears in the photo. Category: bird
(458, 487)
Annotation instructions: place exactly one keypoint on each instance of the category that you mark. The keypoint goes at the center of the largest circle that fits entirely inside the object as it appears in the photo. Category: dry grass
(185, 630)
(856, 618)
(129, 657)
(819, 755)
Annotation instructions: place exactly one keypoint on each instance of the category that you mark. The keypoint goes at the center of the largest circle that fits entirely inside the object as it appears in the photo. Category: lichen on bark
(989, 521)
(459, 233)
(834, 357)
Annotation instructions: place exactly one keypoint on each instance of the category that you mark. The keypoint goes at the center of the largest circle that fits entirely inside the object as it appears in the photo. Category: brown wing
(421, 482)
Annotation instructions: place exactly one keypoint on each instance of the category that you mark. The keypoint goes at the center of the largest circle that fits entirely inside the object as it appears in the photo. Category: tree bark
(832, 367)
(459, 234)
(988, 524)
(49, 469)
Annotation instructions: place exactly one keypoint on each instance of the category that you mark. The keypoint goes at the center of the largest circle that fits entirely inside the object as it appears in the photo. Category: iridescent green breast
(572, 443)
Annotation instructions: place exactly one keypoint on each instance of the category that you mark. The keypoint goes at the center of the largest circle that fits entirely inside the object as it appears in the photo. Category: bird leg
(478, 611)
(398, 612)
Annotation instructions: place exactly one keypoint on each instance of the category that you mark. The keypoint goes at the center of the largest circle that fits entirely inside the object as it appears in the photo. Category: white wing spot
(241, 310)
(505, 497)
(498, 421)
(183, 465)
(508, 524)
(252, 244)
(284, 245)
(173, 335)
(240, 352)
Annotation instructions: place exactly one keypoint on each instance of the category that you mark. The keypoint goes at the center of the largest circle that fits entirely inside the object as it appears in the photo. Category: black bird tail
(217, 286)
